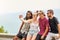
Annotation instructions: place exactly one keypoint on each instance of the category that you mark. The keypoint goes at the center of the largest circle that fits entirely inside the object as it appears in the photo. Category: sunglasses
(49, 12)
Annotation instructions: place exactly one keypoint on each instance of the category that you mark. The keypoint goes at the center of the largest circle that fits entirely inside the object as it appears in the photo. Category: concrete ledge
(6, 36)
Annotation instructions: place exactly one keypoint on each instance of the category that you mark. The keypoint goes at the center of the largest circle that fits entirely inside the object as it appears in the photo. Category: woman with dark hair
(28, 15)
(23, 31)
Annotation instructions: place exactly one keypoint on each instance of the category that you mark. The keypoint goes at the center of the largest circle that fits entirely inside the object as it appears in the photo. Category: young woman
(24, 27)
(34, 24)
(43, 25)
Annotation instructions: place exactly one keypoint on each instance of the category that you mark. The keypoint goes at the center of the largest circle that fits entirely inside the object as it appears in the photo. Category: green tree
(2, 30)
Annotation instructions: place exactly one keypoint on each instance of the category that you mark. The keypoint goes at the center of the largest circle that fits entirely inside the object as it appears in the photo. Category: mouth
(49, 16)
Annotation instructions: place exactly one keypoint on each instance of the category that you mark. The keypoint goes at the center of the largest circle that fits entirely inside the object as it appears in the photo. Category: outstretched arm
(26, 21)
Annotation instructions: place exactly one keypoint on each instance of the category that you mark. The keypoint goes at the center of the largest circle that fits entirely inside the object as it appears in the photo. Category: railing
(5, 36)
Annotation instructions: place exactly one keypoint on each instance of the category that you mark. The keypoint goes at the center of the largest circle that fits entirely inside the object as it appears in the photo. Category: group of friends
(35, 26)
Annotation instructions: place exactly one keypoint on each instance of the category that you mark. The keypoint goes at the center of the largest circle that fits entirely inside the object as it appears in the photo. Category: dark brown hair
(51, 11)
(42, 12)
(30, 16)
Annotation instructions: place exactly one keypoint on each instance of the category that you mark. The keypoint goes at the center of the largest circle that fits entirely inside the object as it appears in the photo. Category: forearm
(46, 30)
(59, 29)
(23, 20)
(21, 26)
(20, 29)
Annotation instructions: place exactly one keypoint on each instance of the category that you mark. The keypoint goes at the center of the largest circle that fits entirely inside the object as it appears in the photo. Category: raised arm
(26, 21)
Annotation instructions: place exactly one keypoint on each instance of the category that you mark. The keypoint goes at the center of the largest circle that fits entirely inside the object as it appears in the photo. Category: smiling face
(41, 14)
(35, 16)
(29, 15)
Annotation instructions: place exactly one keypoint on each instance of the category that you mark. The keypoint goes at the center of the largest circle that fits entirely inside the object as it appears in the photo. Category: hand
(57, 37)
(20, 16)
(42, 37)
(15, 38)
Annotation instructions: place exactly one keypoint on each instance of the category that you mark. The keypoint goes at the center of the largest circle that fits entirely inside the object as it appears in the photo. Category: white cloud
(10, 6)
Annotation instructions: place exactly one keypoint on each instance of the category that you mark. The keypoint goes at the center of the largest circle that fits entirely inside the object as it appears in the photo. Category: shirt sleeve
(56, 21)
(47, 23)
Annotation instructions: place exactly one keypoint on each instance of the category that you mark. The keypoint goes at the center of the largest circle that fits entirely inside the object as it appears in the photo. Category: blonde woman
(34, 24)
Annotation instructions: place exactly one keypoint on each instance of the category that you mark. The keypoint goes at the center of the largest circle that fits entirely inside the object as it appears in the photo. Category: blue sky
(11, 9)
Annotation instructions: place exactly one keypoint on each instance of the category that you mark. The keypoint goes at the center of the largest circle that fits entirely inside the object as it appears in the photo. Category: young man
(54, 26)
(43, 25)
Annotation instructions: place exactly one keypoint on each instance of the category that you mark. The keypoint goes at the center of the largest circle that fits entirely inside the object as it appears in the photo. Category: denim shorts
(32, 32)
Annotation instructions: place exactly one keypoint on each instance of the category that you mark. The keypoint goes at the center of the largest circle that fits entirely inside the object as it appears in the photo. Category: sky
(11, 9)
